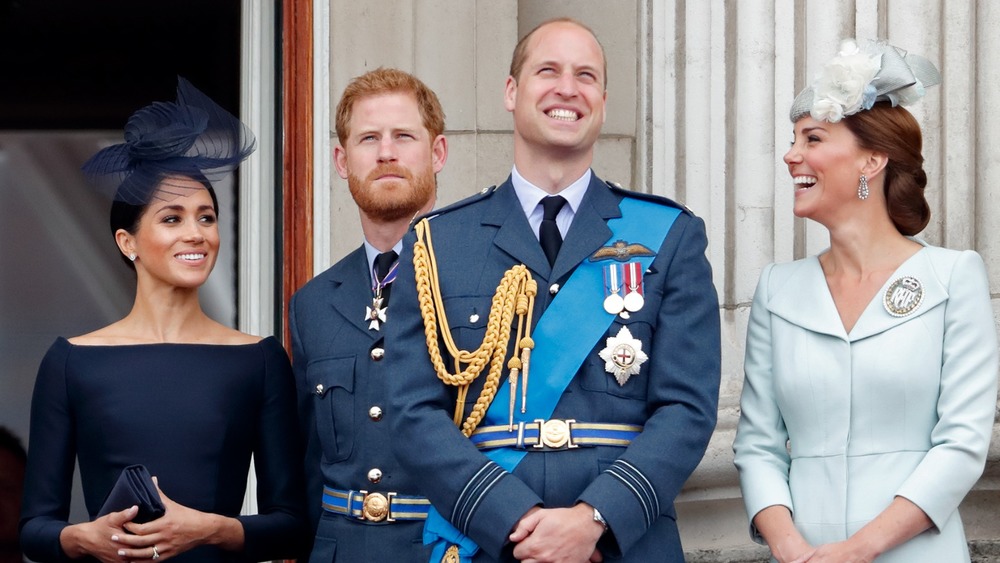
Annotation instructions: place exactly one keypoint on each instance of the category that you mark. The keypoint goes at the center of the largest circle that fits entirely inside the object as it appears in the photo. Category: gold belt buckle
(555, 433)
(375, 507)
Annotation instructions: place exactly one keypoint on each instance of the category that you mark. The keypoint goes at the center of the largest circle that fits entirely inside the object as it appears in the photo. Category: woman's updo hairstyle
(192, 137)
(865, 85)
(895, 132)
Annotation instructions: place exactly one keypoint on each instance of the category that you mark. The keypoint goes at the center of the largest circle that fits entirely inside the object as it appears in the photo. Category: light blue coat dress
(834, 425)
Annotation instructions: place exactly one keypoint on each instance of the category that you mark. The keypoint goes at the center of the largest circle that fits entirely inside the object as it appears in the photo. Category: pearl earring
(131, 256)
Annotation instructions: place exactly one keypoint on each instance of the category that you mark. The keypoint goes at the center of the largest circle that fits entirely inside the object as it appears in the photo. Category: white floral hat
(858, 77)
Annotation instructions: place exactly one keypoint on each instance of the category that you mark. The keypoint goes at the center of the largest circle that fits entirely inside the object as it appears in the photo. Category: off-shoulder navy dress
(192, 413)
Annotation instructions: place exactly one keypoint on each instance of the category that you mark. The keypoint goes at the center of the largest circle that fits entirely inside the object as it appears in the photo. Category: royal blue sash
(575, 315)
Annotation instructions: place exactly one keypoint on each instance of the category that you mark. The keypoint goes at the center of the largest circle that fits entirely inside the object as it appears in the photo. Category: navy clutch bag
(134, 487)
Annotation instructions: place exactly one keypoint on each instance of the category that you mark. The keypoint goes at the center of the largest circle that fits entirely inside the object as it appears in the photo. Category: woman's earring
(863, 187)
(131, 256)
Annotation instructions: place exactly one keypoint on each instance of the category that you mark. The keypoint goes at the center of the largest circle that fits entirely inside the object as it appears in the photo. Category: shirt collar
(371, 252)
(530, 195)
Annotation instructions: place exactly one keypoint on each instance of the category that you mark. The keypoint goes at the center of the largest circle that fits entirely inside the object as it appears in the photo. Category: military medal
(903, 296)
(623, 355)
(633, 300)
(375, 313)
(613, 303)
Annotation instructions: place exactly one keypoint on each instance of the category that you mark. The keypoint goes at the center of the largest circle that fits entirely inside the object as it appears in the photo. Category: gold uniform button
(375, 475)
(375, 413)
(378, 354)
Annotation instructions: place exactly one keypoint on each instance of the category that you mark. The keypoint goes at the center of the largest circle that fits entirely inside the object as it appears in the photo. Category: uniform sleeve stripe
(472, 510)
(632, 478)
(473, 492)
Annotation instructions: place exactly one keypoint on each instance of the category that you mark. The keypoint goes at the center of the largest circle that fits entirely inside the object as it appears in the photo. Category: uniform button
(375, 475)
(319, 388)
(553, 289)
(375, 413)
(473, 318)
(378, 354)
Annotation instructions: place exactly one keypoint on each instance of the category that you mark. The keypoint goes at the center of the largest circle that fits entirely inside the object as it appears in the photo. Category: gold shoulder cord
(514, 295)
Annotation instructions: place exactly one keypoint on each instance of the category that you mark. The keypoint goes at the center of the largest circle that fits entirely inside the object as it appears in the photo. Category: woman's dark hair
(12, 444)
(127, 216)
(895, 132)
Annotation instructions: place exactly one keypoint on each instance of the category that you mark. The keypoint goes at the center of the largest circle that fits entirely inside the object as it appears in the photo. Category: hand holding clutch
(134, 487)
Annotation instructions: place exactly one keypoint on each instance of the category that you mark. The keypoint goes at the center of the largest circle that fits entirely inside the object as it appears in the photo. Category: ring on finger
(156, 554)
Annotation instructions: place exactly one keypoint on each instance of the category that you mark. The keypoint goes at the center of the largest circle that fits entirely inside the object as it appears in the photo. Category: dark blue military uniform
(342, 380)
(673, 397)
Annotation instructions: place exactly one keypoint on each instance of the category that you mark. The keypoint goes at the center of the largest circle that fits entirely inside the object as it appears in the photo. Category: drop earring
(863, 187)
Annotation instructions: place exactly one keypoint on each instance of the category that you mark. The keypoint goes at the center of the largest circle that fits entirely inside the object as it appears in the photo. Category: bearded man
(362, 505)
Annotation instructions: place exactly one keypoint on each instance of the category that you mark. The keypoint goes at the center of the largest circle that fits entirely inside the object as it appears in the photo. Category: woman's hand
(793, 551)
(97, 538)
(180, 529)
(841, 552)
(786, 543)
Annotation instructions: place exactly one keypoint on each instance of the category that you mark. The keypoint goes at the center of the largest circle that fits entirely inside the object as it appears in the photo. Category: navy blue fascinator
(192, 137)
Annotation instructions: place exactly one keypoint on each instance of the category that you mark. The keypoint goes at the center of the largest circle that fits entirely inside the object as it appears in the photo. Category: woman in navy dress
(166, 386)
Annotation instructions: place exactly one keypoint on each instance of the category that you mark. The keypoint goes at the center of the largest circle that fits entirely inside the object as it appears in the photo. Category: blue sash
(575, 315)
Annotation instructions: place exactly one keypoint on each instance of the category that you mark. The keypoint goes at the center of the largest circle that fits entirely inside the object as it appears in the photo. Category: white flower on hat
(845, 85)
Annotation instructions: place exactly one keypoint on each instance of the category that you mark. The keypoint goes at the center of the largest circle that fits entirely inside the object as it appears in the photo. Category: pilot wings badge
(621, 251)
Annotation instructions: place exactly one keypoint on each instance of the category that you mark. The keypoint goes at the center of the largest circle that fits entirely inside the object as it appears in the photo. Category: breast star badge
(623, 355)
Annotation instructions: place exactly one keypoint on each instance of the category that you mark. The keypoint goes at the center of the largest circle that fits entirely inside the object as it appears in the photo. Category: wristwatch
(599, 518)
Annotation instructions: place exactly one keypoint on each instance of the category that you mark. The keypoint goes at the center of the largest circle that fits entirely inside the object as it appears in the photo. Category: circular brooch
(903, 296)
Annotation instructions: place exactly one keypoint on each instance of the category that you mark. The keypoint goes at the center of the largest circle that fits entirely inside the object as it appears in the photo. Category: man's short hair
(521, 49)
(388, 81)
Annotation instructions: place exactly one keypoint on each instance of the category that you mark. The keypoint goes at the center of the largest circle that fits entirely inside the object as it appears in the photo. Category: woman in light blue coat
(871, 369)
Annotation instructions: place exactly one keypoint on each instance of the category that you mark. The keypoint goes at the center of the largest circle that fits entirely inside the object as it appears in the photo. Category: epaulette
(481, 195)
(617, 188)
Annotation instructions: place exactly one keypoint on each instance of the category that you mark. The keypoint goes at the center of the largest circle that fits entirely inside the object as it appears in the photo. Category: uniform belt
(554, 435)
(375, 507)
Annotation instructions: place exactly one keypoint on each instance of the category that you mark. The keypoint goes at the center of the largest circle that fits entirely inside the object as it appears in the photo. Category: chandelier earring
(863, 187)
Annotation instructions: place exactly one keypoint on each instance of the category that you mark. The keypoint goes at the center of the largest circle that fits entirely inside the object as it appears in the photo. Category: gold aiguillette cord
(515, 295)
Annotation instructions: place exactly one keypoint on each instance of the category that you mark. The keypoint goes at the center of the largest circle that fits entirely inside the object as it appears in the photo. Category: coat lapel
(348, 297)
(514, 235)
(876, 319)
(589, 230)
(803, 298)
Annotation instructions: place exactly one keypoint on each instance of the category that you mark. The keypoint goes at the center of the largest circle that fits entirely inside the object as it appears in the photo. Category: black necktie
(548, 232)
(383, 263)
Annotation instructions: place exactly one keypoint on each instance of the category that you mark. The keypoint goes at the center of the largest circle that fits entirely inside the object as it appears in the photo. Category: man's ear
(439, 153)
(510, 93)
(340, 161)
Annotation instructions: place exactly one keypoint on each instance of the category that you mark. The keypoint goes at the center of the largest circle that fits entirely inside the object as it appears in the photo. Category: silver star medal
(375, 313)
(623, 355)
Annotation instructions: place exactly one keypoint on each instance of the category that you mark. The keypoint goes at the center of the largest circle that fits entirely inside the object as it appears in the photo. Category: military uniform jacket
(900, 406)
(674, 396)
(341, 383)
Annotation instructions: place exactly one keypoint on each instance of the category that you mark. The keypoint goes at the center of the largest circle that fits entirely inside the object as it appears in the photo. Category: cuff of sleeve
(44, 544)
(627, 502)
(498, 511)
(272, 536)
